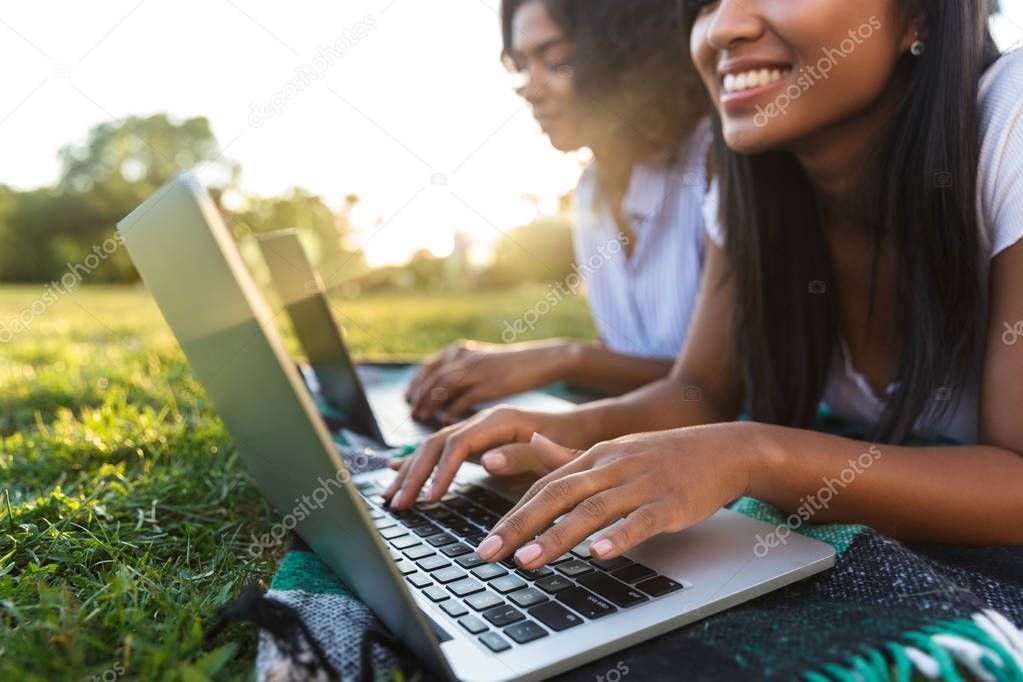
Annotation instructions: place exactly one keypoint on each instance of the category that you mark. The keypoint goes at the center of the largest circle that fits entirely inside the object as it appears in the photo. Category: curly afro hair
(632, 70)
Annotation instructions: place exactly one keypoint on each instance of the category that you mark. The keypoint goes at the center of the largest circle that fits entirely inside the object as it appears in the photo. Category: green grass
(124, 510)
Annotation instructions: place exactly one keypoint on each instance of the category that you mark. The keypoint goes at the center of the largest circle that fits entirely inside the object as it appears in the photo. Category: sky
(402, 102)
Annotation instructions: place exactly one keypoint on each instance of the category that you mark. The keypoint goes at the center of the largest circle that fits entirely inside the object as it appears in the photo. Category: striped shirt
(642, 302)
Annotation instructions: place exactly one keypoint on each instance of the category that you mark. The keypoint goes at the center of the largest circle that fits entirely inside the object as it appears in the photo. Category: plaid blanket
(886, 611)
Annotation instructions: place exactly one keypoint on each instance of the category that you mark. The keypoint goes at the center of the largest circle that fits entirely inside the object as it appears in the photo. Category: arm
(603, 370)
(471, 372)
(670, 480)
(702, 388)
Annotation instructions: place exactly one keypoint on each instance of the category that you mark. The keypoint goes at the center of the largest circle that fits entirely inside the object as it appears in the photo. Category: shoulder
(1000, 178)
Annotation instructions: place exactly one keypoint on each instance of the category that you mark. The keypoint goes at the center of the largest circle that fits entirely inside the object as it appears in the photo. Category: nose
(534, 90)
(733, 23)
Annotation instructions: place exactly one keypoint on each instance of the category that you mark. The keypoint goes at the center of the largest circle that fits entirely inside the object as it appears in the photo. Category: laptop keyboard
(501, 604)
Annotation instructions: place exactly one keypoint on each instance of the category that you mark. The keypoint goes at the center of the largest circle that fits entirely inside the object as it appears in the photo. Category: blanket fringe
(985, 647)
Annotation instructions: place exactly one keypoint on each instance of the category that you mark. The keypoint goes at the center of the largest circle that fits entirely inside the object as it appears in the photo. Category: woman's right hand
(509, 441)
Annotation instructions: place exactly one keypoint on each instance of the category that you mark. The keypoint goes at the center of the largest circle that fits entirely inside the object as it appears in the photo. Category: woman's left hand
(658, 482)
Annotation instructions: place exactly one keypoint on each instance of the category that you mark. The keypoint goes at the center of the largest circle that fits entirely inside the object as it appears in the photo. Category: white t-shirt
(1000, 210)
(642, 303)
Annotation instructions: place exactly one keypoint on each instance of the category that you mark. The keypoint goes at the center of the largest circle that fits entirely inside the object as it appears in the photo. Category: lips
(745, 79)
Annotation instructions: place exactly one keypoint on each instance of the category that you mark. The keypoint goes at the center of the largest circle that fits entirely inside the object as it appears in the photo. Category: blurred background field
(125, 515)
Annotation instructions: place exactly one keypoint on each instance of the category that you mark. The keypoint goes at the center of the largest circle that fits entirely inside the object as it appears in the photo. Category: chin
(743, 136)
(563, 142)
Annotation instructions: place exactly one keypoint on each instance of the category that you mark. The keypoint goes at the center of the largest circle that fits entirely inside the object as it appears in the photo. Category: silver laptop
(416, 570)
(378, 411)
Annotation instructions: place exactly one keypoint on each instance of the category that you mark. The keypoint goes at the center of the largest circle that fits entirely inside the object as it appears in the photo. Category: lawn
(124, 511)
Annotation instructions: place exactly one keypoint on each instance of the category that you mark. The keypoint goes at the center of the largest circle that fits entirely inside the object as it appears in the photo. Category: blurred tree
(538, 252)
(120, 164)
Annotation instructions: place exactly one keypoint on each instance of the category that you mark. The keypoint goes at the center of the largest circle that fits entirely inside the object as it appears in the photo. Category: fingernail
(493, 461)
(489, 547)
(528, 553)
(396, 500)
(537, 436)
(601, 547)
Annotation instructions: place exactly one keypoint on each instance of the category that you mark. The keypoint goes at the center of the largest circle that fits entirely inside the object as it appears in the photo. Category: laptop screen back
(301, 292)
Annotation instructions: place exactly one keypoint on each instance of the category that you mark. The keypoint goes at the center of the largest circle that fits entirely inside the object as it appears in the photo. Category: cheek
(842, 72)
(703, 55)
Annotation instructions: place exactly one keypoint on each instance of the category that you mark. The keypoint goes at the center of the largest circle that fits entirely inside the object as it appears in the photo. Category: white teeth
(751, 79)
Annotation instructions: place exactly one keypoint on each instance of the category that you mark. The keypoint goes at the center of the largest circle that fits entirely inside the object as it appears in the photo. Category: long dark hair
(630, 70)
(922, 199)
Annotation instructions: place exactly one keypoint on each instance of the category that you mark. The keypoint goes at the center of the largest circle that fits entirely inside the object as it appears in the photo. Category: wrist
(570, 358)
(762, 460)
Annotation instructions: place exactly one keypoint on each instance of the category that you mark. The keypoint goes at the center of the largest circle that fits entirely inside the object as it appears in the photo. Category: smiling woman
(867, 253)
(612, 77)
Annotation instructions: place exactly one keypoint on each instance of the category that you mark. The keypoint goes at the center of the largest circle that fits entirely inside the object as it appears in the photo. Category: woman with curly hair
(613, 77)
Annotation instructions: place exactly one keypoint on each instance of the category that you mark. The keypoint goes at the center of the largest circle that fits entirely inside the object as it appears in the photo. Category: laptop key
(659, 585)
(455, 550)
(465, 587)
(488, 571)
(414, 521)
(384, 521)
(420, 580)
(481, 601)
(393, 532)
(554, 583)
(405, 567)
(555, 616)
(405, 541)
(476, 539)
(574, 568)
(508, 583)
(503, 615)
(534, 573)
(560, 560)
(527, 597)
(524, 632)
(395, 554)
(454, 608)
(448, 575)
(432, 563)
(463, 529)
(419, 552)
(473, 624)
(469, 560)
(611, 564)
(436, 593)
(427, 529)
(441, 540)
(633, 573)
(582, 550)
(609, 588)
(586, 603)
(495, 642)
